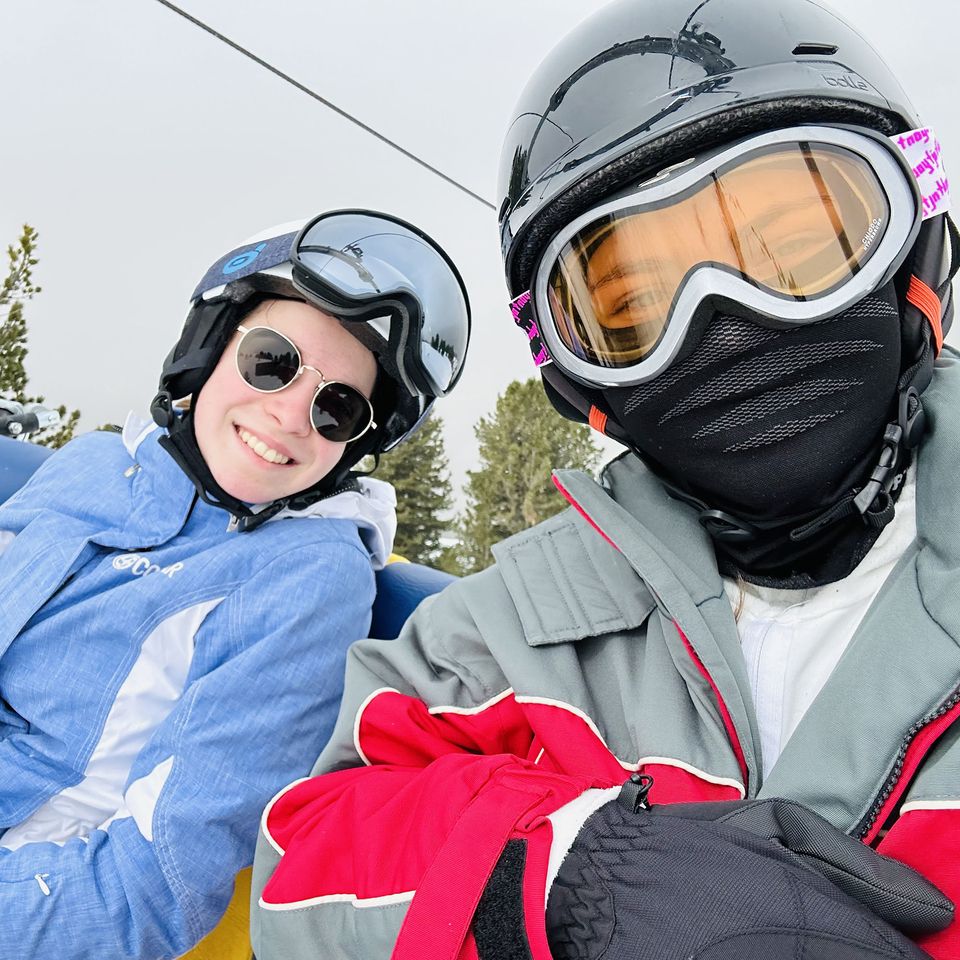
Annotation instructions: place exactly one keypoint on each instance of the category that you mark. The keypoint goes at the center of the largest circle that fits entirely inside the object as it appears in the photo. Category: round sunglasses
(268, 361)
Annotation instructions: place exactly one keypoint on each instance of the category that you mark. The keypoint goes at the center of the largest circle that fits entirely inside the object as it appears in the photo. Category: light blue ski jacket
(161, 677)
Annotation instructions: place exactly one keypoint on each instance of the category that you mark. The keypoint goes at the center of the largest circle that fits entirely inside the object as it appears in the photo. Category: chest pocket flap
(568, 583)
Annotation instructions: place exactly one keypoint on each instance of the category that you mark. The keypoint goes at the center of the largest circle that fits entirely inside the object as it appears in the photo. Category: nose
(290, 407)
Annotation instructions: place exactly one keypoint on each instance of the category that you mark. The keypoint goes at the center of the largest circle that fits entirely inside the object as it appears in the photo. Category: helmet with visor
(387, 283)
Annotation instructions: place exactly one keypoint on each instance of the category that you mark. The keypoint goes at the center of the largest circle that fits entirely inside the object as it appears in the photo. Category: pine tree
(17, 287)
(419, 471)
(520, 444)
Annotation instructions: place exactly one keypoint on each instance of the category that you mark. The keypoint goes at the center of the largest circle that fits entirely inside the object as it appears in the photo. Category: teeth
(261, 449)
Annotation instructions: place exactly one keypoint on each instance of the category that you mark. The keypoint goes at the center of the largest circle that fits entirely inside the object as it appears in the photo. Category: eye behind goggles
(795, 225)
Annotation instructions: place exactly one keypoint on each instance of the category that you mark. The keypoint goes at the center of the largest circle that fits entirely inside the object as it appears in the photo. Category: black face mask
(772, 425)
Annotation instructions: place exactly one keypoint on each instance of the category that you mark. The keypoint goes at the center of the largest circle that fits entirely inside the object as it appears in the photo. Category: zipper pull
(633, 794)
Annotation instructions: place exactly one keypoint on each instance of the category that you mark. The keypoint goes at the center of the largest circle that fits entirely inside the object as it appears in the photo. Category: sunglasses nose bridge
(319, 373)
(289, 404)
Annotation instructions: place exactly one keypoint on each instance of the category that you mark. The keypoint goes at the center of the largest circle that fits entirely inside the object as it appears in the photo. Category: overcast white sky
(142, 149)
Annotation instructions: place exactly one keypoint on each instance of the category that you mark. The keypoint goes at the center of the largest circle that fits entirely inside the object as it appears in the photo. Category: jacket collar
(372, 508)
(903, 662)
(938, 495)
(672, 538)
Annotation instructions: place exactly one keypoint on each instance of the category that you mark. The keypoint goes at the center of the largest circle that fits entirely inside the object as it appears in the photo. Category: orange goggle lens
(796, 219)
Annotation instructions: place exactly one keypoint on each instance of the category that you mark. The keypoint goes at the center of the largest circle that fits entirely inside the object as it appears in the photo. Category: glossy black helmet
(644, 84)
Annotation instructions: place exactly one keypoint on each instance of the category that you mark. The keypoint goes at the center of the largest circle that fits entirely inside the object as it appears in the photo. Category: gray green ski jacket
(601, 643)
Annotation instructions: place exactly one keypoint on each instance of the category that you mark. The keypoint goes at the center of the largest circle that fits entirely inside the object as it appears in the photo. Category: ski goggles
(794, 225)
(268, 361)
(373, 269)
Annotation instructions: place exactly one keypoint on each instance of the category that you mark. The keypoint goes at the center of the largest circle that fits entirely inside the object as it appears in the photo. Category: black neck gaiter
(774, 427)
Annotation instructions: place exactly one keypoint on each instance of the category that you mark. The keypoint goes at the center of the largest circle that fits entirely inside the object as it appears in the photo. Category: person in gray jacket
(724, 229)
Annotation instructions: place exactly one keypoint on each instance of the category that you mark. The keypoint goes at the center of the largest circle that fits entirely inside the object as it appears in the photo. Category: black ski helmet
(647, 83)
(390, 286)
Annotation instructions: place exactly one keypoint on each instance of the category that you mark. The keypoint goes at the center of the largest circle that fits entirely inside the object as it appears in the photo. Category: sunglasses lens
(267, 360)
(340, 413)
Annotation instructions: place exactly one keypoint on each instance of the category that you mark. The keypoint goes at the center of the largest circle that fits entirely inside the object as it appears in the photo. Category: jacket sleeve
(158, 874)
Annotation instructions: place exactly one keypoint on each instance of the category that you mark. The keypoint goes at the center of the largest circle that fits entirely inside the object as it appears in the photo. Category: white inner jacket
(793, 639)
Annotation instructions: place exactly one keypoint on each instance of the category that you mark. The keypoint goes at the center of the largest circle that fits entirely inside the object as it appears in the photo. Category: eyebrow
(622, 270)
(786, 206)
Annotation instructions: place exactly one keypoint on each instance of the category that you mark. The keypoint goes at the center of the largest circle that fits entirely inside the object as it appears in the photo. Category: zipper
(867, 823)
(633, 794)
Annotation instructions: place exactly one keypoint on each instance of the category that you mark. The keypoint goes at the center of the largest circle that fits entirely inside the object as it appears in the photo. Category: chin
(253, 490)
(259, 485)
(250, 490)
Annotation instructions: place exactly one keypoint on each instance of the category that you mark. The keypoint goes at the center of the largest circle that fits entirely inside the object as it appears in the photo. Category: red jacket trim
(583, 513)
(724, 712)
(397, 729)
(928, 840)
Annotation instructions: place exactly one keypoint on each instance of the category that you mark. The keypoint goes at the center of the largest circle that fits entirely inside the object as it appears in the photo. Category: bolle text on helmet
(848, 80)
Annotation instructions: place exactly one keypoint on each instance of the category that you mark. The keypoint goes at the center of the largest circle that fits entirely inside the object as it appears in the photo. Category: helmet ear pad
(206, 333)
(187, 367)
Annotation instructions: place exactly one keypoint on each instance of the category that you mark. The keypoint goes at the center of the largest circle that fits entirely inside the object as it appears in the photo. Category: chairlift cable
(316, 96)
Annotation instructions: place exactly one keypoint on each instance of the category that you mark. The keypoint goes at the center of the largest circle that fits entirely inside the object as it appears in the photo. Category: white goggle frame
(708, 280)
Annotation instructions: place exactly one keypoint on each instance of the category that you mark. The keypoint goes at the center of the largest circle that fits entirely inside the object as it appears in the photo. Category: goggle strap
(597, 419)
(522, 309)
(928, 303)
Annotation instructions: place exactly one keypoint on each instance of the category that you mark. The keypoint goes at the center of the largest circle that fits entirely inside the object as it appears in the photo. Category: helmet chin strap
(180, 442)
(874, 501)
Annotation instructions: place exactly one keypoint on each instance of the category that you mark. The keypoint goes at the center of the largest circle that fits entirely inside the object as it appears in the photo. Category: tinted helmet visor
(365, 267)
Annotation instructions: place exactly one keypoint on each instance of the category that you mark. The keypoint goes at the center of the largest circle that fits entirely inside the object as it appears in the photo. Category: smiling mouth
(261, 448)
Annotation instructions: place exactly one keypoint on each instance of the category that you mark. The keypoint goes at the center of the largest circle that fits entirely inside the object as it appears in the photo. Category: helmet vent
(815, 49)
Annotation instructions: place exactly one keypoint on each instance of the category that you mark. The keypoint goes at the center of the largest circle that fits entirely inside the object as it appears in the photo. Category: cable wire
(316, 96)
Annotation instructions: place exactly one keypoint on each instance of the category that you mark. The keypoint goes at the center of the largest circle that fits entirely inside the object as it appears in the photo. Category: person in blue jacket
(177, 599)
